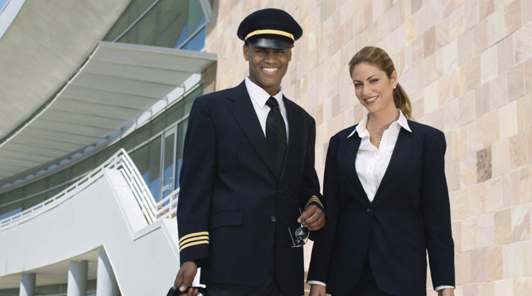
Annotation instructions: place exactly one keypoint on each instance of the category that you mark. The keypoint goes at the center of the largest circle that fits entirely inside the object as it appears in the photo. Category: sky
(2, 3)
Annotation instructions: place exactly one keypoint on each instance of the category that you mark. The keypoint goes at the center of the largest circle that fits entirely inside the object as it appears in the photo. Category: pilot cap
(270, 28)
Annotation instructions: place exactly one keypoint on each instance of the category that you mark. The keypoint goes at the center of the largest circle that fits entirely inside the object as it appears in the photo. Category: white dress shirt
(259, 97)
(371, 162)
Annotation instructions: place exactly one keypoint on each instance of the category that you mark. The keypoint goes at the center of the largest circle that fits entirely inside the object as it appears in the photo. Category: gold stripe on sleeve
(193, 239)
(193, 244)
(316, 199)
(193, 234)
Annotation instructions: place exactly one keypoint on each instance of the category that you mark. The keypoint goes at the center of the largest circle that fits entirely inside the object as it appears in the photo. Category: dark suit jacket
(409, 215)
(233, 212)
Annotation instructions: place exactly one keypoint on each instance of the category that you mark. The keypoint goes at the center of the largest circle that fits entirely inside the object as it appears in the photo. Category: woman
(388, 199)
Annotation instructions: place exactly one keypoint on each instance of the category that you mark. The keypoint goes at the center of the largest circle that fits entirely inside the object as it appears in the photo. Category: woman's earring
(394, 87)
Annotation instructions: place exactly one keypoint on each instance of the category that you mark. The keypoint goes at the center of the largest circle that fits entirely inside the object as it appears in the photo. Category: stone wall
(467, 66)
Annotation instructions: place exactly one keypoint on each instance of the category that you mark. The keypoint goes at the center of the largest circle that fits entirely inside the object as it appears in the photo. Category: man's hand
(185, 277)
(313, 218)
(317, 290)
(446, 292)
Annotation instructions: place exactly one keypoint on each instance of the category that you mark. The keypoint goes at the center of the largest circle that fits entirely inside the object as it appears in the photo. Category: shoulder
(425, 133)
(423, 128)
(215, 100)
(214, 96)
(291, 104)
(343, 134)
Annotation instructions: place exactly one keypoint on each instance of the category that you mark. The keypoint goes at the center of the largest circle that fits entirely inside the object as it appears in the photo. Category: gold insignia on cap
(271, 32)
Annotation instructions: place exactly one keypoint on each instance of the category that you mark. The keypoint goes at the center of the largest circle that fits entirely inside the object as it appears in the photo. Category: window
(156, 149)
(2, 4)
(165, 23)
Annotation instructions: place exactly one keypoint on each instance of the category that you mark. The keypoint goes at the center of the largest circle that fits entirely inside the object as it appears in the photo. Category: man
(248, 173)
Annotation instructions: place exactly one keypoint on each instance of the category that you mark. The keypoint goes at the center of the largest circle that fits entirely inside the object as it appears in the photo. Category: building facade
(466, 65)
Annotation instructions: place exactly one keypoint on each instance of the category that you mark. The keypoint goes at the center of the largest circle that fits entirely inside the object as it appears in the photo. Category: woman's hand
(445, 292)
(317, 290)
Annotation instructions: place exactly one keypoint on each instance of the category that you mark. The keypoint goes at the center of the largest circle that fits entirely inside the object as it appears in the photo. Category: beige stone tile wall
(467, 66)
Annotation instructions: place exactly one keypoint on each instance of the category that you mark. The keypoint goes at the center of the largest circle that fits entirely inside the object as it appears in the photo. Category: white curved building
(95, 98)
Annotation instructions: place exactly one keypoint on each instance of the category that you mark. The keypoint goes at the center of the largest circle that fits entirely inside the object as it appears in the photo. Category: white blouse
(371, 162)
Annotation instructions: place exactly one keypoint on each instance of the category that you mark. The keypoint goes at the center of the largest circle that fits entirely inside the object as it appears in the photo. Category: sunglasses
(299, 236)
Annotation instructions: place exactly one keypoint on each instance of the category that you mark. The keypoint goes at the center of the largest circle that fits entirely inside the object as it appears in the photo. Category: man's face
(267, 67)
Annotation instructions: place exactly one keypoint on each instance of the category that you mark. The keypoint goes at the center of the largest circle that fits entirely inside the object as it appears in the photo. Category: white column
(77, 278)
(27, 285)
(106, 284)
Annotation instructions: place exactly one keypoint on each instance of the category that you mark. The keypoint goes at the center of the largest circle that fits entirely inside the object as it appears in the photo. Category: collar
(259, 95)
(362, 130)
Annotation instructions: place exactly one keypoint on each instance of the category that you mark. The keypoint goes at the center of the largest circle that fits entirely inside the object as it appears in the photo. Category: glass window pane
(195, 16)
(82, 167)
(35, 187)
(198, 42)
(59, 289)
(56, 191)
(143, 134)
(169, 159)
(135, 9)
(105, 154)
(31, 189)
(128, 143)
(8, 206)
(171, 19)
(154, 166)
(158, 125)
(191, 97)
(10, 292)
(141, 158)
(58, 178)
(175, 112)
(31, 202)
(144, 31)
(119, 27)
(181, 130)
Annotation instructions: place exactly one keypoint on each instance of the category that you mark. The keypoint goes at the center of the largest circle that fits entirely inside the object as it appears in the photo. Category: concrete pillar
(27, 285)
(77, 278)
(106, 284)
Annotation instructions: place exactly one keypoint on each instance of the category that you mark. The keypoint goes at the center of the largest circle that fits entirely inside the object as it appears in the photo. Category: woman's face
(373, 87)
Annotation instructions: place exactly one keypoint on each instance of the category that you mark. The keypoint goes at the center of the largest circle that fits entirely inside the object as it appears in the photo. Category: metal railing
(167, 207)
(119, 161)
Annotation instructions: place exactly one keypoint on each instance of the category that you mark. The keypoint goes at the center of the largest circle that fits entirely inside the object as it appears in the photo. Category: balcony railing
(166, 208)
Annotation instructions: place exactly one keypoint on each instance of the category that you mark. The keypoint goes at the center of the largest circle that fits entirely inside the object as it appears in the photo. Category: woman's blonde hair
(379, 58)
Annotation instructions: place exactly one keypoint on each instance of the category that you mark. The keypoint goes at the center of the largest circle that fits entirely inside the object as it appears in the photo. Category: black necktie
(276, 134)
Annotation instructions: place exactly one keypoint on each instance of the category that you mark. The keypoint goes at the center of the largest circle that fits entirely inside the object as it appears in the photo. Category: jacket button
(274, 219)
(369, 210)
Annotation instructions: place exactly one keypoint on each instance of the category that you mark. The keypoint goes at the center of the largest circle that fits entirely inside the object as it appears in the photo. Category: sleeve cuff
(314, 200)
(194, 247)
(316, 283)
(193, 239)
(443, 287)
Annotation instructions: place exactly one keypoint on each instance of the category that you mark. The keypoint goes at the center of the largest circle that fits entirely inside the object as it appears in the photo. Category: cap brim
(270, 43)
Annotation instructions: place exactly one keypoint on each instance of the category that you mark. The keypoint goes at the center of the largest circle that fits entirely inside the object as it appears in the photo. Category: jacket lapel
(295, 133)
(399, 153)
(244, 114)
(350, 153)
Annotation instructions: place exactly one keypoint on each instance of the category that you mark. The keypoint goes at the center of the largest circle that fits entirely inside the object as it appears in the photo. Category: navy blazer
(409, 216)
(233, 211)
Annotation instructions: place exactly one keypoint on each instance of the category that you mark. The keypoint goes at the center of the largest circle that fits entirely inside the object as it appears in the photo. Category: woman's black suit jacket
(409, 215)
